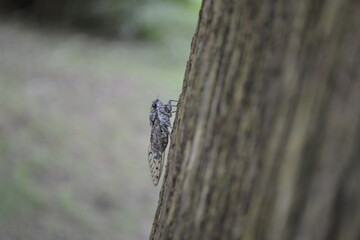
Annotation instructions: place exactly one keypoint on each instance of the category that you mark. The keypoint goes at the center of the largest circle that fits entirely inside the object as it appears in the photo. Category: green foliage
(164, 20)
(142, 19)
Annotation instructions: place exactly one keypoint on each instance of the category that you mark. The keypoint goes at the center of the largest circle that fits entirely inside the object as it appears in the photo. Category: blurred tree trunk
(266, 139)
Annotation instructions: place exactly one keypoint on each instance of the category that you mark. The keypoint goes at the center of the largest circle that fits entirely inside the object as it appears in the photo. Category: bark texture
(266, 141)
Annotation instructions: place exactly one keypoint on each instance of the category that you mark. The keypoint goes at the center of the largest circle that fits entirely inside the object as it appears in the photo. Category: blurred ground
(74, 133)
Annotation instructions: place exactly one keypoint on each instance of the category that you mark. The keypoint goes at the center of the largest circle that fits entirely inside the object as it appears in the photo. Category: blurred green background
(77, 78)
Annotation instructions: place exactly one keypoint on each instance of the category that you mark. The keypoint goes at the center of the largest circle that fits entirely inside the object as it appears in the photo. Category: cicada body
(160, 115)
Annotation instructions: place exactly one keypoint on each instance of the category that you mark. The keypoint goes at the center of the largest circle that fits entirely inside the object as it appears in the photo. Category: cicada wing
(156, 165)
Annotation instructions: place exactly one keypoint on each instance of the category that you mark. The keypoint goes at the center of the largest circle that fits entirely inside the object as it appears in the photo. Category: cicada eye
(154, 105)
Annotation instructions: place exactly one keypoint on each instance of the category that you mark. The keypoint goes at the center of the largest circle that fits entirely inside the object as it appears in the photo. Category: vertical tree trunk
(266, 139)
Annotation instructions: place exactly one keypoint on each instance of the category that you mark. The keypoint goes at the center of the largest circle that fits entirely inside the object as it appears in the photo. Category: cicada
(160, 115)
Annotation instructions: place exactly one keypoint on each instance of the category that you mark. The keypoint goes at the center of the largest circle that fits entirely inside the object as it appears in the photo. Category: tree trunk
(266, 140)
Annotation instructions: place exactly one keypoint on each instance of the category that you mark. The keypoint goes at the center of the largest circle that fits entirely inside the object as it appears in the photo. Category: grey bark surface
(266, 140)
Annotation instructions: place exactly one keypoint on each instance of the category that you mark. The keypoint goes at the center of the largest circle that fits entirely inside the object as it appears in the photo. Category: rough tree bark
(266, 140)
